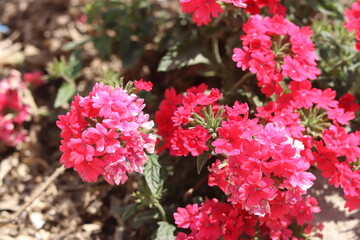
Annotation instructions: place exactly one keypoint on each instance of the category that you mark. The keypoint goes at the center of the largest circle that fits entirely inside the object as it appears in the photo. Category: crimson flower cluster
(202, 10)
(165, 127)
(185, 133)
(106, 133)
(213, 220)
(353, 21)
(274, 48)
(13, 111)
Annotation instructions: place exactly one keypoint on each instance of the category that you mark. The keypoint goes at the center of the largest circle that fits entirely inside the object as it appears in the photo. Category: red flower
(192, 140)
(142, 85)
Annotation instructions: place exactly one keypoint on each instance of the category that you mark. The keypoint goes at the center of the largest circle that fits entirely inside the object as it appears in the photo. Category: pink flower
(353, 21)
(212, 220)
(229, 141)
(293, 69)
(13, 110)
(105, 134)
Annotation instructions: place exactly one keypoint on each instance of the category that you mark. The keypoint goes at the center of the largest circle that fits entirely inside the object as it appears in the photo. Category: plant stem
(161, 211)
(215, 50)
(241, 81)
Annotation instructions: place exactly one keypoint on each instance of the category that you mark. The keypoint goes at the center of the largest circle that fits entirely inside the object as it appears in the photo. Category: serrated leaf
(201, 160)
(152, 173)
(165, 231)
(66, 91)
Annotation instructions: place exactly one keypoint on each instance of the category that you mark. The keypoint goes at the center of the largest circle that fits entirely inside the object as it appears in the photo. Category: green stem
(161, 211)
(342, 61)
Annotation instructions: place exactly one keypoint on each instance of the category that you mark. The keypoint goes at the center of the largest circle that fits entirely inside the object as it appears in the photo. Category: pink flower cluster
(213, 220)
(338, 144)
(13, 111)
(106, 133)
(203, 9)
(314, 117)
(274, 48)
(264, 168)
(353, 21)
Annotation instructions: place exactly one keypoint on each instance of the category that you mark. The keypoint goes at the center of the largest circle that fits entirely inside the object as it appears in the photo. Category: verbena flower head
(353, 21)
(263, 164)
(105, 133)
(314, 117)
(214, 220)
(203, 10)
(274, 48)
(13, 111)
(178, 120)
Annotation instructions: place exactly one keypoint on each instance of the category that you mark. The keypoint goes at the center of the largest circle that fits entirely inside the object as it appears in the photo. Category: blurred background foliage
(153, 40)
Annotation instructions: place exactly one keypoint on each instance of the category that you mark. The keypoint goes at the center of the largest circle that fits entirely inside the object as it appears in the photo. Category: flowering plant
(259, 148)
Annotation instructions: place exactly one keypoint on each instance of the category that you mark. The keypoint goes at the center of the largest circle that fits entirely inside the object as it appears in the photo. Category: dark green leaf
(103, 46)
(130, 52)
(201, 160)
(165, 231)
(127, 211)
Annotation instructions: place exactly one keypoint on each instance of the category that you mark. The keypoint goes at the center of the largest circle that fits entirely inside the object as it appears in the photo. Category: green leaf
(130, 52)
(66, 91)
(75, 64)
(72, 45)
(165, 231)
(201, 160)
(175, 59)
(103, 46)
(127, 211)
(152, 174)
(69, 70)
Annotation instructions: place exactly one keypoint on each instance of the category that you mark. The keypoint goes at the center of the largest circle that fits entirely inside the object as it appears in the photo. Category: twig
(240, 82)
(41, 189)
